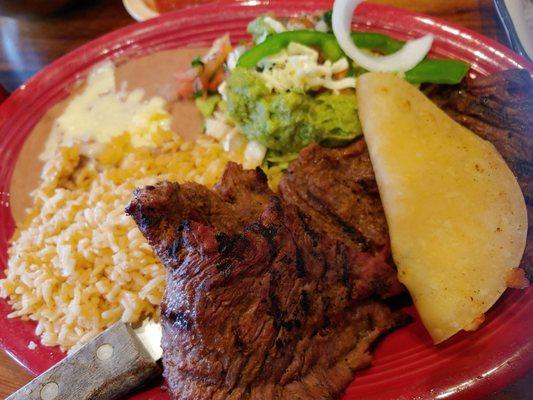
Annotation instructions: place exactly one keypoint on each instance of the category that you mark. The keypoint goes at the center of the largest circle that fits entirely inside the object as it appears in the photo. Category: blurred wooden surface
(28, 43)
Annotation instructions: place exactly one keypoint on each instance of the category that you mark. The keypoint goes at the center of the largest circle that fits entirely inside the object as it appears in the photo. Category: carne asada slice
(338, 190)
(234, 203)
(258, 305)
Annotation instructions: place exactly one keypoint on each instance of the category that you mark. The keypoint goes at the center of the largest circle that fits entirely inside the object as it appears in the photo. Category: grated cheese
(297, 68)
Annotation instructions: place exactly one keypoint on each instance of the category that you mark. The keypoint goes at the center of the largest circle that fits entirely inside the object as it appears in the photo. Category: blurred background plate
(406, 364)
(140, 10)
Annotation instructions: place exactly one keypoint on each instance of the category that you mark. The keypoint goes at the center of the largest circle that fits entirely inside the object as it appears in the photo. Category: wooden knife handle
(111, 365)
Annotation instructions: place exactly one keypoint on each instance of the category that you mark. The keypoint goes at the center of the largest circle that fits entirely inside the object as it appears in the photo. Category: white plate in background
(139, 10)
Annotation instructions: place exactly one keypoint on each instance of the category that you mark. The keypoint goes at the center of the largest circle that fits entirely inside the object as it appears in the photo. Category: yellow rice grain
(79, 264)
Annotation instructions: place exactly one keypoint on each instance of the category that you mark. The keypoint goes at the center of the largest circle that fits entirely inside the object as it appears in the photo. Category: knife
(115, 362)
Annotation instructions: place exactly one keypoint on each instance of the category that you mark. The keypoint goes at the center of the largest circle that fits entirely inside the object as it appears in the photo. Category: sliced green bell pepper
(442, 71)
(273, 44)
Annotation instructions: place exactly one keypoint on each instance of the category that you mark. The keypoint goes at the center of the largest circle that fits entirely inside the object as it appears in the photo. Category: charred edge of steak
(226, 208)
(313, 234)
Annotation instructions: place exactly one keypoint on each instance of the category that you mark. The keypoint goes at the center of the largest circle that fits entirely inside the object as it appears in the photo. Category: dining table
(29, 41)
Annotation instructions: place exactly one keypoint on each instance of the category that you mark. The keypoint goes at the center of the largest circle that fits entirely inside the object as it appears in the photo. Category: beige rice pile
(79, 264)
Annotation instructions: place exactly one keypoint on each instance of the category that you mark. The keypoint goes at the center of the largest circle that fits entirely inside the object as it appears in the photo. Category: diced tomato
(340, 75)
(216, 80)
(303, 20)
(206, 76)
(185, 82)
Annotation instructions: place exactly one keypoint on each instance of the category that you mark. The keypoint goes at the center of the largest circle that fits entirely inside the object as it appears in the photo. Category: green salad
(293, 85)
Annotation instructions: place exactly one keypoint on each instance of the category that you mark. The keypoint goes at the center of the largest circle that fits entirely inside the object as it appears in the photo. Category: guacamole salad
(294, 82)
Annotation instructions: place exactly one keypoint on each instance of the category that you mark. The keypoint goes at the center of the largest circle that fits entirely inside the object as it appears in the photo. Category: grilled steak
(336, 188)
(261, 303)
(499, 108)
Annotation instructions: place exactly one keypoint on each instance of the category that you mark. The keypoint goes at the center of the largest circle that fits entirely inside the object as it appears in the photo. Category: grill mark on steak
(260, 303)
(226, 243)
(336, 187)
(148, 219)
(499, 108)
(336, 191)
(342, 259)
(305, 302)
(313, 235)
(300, 264)
(175, 248)
(335, 219)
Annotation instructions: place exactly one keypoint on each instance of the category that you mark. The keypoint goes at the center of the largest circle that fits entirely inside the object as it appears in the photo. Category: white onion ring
(403, 60)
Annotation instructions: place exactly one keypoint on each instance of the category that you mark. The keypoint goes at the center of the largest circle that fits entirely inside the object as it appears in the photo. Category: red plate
(406, 364)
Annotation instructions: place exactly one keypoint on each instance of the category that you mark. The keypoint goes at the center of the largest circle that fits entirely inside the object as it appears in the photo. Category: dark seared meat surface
(258, 304)
(158, 212)
(336, 188)
(499, 108)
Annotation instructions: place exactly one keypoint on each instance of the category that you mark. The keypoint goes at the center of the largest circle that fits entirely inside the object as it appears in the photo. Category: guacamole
(287, 122)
